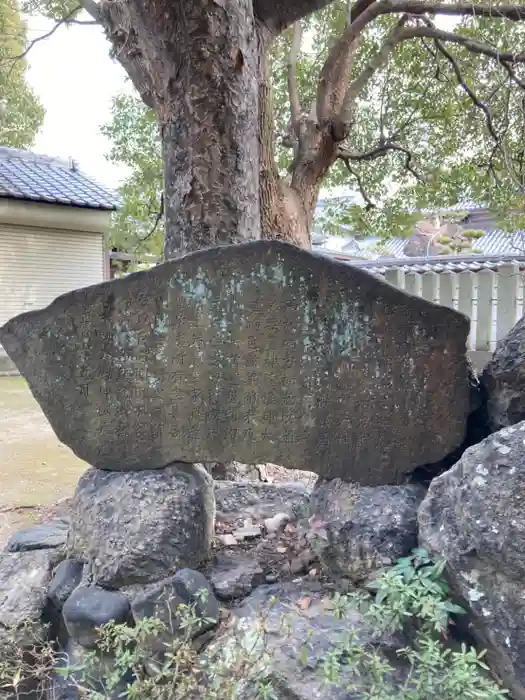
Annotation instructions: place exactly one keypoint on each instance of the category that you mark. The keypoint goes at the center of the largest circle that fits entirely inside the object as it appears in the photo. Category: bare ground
(36, 469)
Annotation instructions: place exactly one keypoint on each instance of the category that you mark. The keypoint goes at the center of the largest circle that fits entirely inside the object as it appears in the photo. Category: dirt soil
(36, 469)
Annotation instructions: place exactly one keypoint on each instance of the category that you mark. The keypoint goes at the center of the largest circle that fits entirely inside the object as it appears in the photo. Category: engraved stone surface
(259, 352)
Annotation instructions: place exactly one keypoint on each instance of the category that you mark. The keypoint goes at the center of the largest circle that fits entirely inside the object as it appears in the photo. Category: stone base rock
(24, 582)
(474, 517)
(235, 577)
(66, 578)
(140, 527)
(295, 619)
(89, 608)
(45, 536)
(363, 529)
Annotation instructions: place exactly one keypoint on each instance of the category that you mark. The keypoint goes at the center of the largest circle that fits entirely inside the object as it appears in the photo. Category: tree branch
(369, 204)
(512, 75)
(470, 44)
(118, 21)
(379, 59)
(84, 22)
(293, 92)
(331, 88)
(467, 89)
(398, 35)
(514, 13)
(158, 218)
(381, 150)
(333, 79)
(359, 7)
(67, 19)
(276, 15)
(92, 8)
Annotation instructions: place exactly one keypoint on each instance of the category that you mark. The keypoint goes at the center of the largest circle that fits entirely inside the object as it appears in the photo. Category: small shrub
(26, 662)
(180, 672)
(415, 593)
(412, 594)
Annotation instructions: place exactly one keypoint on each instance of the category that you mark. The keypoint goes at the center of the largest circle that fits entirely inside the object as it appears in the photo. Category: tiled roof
(501, 243)
(438, 263)
(28, 176)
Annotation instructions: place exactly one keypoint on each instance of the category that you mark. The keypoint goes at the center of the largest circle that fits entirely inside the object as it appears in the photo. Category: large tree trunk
(196, 62)
(208, 116)
(199, 64)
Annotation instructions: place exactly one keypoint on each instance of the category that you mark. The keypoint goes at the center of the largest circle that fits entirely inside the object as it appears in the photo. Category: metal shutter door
(37, 265)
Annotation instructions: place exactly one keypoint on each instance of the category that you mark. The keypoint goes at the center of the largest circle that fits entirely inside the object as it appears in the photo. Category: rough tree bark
(200, 65)
(284, 214)
(196, 63)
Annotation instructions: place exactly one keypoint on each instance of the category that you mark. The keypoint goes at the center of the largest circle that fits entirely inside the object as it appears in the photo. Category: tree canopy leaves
(21, 113)
(137, 225)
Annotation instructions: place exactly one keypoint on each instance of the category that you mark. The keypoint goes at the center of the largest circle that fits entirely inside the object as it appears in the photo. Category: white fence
(491, 298)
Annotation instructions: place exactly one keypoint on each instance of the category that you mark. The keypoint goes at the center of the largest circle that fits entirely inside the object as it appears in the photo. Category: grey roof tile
(29, 176)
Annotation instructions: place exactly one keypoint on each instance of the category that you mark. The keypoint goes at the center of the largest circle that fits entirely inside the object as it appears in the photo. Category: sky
(75, 79)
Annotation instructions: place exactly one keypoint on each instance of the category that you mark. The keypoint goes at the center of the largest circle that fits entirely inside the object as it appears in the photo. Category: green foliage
(21, 114)
(412, 596)
(52, 9)
(138, 226)
(413, 588)
(180, 672)
(473, 234)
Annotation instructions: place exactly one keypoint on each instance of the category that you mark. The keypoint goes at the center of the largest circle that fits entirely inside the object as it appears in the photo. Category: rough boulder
(503, 380)
(140, 527)
(364, 529)
(474, 517)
